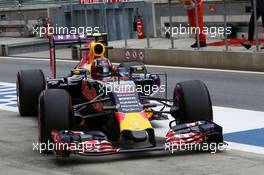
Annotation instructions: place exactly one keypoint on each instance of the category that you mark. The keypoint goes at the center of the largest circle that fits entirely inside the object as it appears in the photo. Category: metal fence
(8, 3)
(225, 14)
(78, 15)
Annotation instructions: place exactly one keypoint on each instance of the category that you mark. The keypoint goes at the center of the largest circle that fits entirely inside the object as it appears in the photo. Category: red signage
(212, 8)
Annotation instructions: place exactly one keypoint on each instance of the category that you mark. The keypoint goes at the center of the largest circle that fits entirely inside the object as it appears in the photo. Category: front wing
(96, 143)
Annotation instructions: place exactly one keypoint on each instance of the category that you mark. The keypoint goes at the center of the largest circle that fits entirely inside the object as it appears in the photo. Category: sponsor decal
(135, 54)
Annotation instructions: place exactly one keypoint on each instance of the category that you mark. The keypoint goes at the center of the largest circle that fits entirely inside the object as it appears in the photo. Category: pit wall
(246, 61)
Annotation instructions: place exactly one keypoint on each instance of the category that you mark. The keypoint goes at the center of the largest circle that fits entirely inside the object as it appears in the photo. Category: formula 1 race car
(101, 109)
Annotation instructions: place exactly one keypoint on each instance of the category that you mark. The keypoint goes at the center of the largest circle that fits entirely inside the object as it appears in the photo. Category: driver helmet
(101, 68)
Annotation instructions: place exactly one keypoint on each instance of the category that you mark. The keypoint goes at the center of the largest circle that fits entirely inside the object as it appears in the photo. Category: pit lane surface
(228, 89)
(17, 157)
(18, 134)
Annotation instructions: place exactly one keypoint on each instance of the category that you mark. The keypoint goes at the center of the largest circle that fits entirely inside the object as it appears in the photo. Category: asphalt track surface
(238, 90)
(228, 89)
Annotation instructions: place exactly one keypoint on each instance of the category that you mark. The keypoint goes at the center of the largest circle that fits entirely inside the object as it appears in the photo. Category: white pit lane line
(231, 119)
(8, 97)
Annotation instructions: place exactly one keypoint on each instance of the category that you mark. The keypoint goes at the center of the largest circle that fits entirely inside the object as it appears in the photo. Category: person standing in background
(190, 6)
(251, 25)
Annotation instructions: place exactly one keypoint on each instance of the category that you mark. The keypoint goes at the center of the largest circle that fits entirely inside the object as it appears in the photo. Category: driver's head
(101, 68)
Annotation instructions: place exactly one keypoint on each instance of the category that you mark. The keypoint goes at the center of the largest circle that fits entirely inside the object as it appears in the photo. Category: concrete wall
(28, 47)
(18, 22)
(203, 59)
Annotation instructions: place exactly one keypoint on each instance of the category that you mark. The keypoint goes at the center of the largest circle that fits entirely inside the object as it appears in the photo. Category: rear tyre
(194, 102)
(29, 85)
(55, 113)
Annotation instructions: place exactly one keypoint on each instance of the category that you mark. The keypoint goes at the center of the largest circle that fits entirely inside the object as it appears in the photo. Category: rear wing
(70, 39)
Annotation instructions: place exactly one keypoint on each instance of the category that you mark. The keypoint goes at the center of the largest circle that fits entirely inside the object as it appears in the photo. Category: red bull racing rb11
(101, 109)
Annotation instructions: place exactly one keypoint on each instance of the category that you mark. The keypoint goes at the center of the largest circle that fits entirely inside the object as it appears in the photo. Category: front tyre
(55, 113)
(193, 100)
